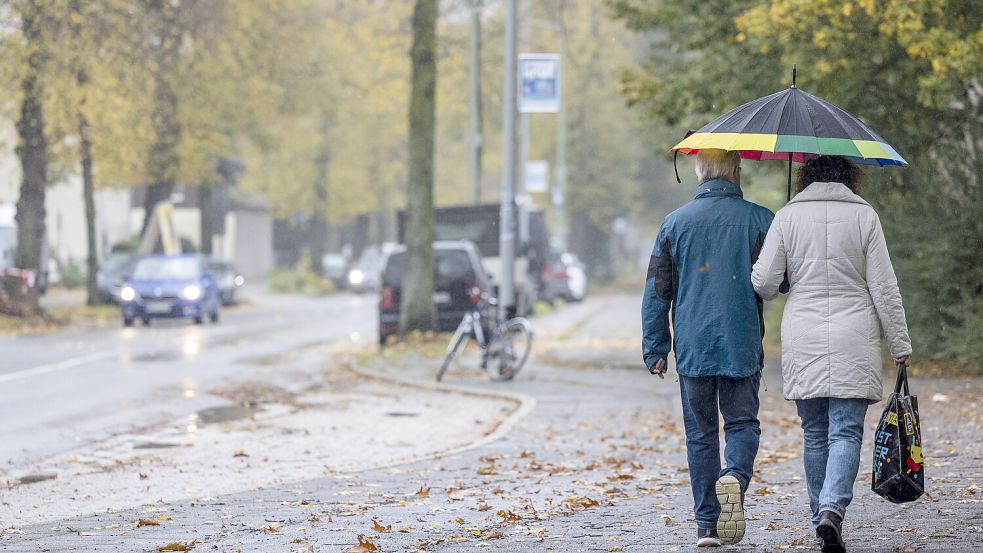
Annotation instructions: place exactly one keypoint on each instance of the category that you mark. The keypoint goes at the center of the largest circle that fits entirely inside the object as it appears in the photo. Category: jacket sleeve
(883, 286)
(768, 274)
(660, 292)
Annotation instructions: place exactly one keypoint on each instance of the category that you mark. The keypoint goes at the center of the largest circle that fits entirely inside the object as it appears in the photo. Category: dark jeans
(737, 400)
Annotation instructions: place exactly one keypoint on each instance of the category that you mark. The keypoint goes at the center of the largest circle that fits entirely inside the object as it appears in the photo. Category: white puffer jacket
(843, 292)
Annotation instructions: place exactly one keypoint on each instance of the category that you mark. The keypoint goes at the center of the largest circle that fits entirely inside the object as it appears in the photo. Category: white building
(247, 241)
(65, 218)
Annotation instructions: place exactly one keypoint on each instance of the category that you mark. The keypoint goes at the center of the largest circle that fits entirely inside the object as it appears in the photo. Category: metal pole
(506, 236)
(474, 105)
(523, 31)
(559, 195)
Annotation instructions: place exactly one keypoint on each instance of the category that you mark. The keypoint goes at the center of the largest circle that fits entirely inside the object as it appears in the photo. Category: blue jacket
(700, 271)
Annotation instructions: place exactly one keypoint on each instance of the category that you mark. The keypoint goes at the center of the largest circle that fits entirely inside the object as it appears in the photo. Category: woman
(829, 243)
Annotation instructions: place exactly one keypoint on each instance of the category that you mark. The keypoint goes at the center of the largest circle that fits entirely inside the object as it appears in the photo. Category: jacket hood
(828, 192)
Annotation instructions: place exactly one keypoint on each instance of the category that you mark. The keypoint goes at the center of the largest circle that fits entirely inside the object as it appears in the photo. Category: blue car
(170, 287)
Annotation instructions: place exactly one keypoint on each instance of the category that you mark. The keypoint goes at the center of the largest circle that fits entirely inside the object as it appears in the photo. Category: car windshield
(451, 266)
(163, 268)
(117, 263)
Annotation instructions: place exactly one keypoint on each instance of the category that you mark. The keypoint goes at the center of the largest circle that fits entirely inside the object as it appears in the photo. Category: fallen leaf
(423, 492)
(273, 528)
(143, 476)
(380, 528)
(508, 516)
(164, 517)
(177, 546)
(240, 453)
(459, 520)
(147, 522)
(484, 507)
(667, 519)
(363, 546)
(762, 491)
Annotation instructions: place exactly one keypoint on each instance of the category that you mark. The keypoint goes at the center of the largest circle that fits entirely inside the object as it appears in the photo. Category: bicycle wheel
(457, 343)
(510, 349)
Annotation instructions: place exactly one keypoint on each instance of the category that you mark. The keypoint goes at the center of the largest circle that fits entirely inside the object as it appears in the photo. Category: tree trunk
(207, 212)
(418, 311)
(85, 157)
(32, 150)
(88, 196)
(317, 232)
(163, 160)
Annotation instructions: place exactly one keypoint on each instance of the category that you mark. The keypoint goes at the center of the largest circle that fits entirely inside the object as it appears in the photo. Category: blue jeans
(833, 430)
(737, 399)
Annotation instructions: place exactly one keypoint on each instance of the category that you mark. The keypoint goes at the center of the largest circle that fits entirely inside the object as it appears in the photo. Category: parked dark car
(228, 280)
(175, 286)
(479, 224)
(459, 282)
(112, 273)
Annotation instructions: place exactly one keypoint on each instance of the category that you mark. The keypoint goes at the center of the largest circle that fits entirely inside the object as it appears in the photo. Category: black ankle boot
(830, 531)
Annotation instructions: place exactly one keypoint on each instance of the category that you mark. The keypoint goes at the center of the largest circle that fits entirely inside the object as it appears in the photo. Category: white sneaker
(731, 524)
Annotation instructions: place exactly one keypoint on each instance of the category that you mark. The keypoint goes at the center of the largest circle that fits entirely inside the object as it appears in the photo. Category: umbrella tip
(793, 75)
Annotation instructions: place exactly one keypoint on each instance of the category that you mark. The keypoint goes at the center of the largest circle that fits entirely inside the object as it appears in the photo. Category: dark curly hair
(829, 169)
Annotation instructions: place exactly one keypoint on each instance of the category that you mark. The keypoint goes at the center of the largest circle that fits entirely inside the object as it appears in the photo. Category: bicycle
(503, 353)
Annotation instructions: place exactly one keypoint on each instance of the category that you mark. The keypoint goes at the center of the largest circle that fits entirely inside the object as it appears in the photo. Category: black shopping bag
(899, 470)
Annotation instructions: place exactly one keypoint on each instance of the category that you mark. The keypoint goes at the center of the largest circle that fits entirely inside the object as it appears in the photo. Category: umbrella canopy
(794, 122)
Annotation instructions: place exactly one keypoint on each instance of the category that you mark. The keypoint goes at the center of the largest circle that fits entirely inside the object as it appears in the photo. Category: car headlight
(192, 292)
(127, 293)
(356, 277)
(239, 280)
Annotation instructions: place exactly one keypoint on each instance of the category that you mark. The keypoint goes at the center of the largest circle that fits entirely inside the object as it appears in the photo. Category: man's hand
(660, 368)
(906, 359)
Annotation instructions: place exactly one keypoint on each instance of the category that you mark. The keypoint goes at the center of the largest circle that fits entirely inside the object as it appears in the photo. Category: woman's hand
(906, 359)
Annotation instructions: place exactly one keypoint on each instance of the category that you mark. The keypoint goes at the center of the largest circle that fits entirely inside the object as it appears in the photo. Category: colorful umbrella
(792, 125)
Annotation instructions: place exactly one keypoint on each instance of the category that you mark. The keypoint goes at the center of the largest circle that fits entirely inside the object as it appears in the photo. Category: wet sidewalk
(597, 465)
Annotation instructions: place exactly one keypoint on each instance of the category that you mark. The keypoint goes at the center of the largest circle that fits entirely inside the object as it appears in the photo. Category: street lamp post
(475, 141)
(506, 235)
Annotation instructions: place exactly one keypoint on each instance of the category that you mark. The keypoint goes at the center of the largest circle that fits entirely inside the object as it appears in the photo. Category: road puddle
(227, 413)
(155, 445)
(36, 477)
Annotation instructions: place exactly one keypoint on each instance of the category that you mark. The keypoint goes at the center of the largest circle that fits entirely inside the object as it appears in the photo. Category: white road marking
(61, 365)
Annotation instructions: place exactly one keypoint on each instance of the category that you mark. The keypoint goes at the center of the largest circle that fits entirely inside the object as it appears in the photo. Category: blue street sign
(539, 83)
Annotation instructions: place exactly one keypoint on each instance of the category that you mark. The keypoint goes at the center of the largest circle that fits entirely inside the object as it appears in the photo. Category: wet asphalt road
(63, 389)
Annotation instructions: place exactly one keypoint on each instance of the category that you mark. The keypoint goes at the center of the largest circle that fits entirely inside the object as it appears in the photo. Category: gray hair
(716, 164)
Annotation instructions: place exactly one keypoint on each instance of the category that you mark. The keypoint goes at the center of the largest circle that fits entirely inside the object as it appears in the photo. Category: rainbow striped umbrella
(792, 125)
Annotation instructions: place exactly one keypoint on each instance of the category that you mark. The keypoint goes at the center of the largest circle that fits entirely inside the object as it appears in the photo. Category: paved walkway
(597, 465)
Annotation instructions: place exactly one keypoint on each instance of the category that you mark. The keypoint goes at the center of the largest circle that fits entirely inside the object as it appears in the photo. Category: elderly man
(699, 272)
